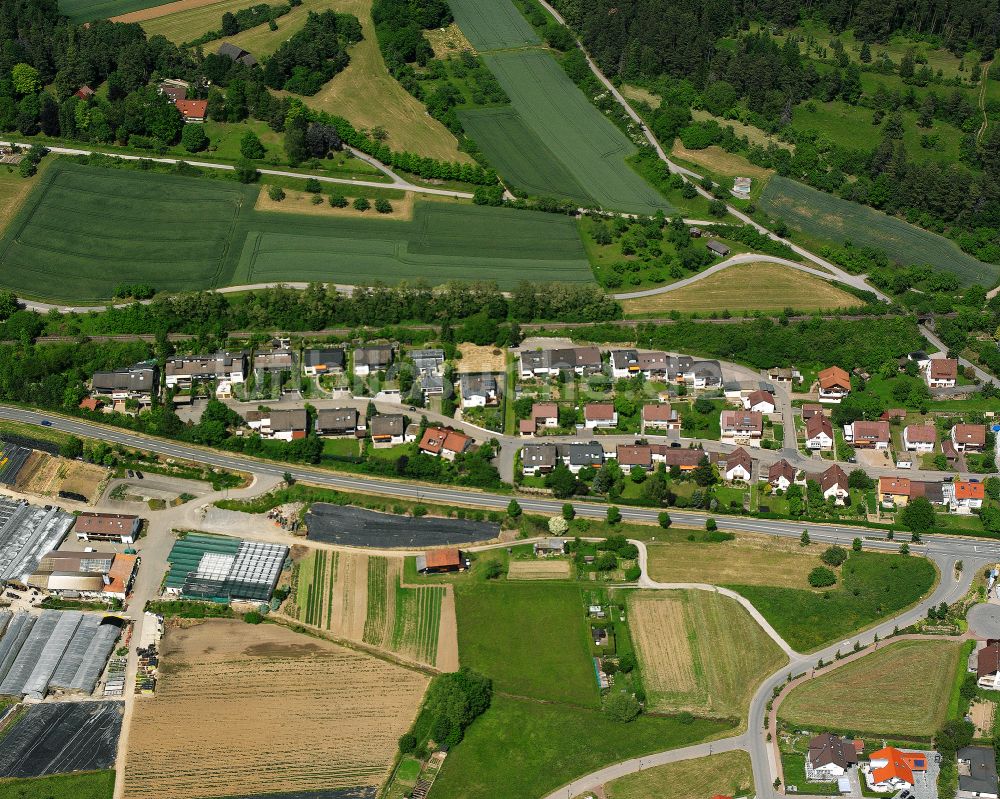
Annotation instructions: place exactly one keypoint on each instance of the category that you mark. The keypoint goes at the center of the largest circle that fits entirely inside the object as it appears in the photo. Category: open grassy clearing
(301, 202)
(14, 190)
(367, 95)
(825, 216)
(573, 132)
(754, 134)
(225, 683)
(640, 95)
(749, 558)
(161, 11)
(748, 287)
(86, 10)
(913, 702)
(81, 785)
(720, 162)
(538, 570)
(187, 24)
(700, 652)
(544, 746)
(726, 774)
(447, 41)
(361, 598)
(530, 638)
(871, 586)
(103, 227)
(496, 25)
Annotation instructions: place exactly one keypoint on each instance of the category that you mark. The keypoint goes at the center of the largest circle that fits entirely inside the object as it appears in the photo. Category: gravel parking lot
(338, 524)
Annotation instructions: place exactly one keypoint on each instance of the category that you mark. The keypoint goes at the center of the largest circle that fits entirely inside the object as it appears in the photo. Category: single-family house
(173, 90)
(894, 492)
(819, 433)
(84, 93)
(427, 362)
(833, 483)
(581, 454)
(131, 382)
(444, 442)
(287, 424)
(977, 772)
(834, 384)
(988, 665)
(478, 390)
(964, 496)
(371, 359)
(830, 757)
(549, 363)
(235, 53)
(337, 421)
(193, 111)
(941, 373)
(717, 248)
(784, 375)
(538, 458)
(781, 475)
(684, 459)
(327, 361)
(863, 434)
(810, 409)
(387, 429)
(273, 361)
(599, 414)
(892, 769)
(660, 417)
(182, 371)
(737, 466)
(545, 414)
(741, 427)
(436, 561)
(760, 400)
(630, 362)
(919, 437)
(632, 455)
(91, 404)
(695, 373)
(969, 437)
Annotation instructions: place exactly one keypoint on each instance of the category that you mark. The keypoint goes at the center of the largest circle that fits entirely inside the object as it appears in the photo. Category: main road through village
(945, 551)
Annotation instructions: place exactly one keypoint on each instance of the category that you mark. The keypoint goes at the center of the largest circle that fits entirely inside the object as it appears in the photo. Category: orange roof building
(440, 560)
(966, 489)
(444, 442)
(193, 110)
(894, 768)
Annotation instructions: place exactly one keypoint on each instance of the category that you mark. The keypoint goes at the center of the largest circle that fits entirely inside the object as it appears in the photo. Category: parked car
(138, 475)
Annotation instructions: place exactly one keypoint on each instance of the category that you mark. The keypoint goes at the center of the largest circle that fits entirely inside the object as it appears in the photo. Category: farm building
(117, 527)
(220, 569)
(26, 533)
(236, 54)
(96, 575)
(717, 248)
(435, 561)
(66, 650)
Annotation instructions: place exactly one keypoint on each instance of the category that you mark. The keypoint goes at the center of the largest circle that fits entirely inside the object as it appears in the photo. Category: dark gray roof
(589, 453)
(827, 749)
(140, 379)
(236, 54)
(331, 358)
(977, 770)
(335, 419)
(478, 385)
(288, 420)
(375, 357)
(535, 455)
(387, 425)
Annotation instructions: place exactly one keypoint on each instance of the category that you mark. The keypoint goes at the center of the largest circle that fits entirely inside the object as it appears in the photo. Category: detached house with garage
(830, 757)
(969, 437)
(283, 425)
(737, 466)
(372, 359)
(660, 417)
(833, 483)
(761, 401)
(977, 772)
(890, 769)
(964, 496)
(632, 455)
(988, 665)
(941, 373)
(478, 391)
(834, 384)
(919, 437)
(819, 433)
(444, 442)
(337, 421)
(323, 362)
(538, 458)
(867, 435)
(741, 427)
(781, 475)
(599, 414)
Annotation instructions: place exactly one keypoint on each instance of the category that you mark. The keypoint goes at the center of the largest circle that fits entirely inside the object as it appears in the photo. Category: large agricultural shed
(220, 568)
(64, 650)
(27, 532)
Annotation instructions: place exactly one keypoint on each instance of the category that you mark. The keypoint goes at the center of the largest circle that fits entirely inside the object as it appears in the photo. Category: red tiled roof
(865, 431)
(192, 109)
(656, 413)
(90, 403)
(970, 434)
(965, 489)
(899, 765)
(633, 455)
(441, 558)
(834, 377)
(598, 410)
(944, 369)
(544, 410)
(760, 396)
(818, 424)
(900, 486)
(921, 433)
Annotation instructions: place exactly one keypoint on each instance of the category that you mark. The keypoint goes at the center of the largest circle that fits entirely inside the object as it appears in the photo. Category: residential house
(834, 384)
(919, 437)
(387, 429)
(371, 359)
(436, 561)
(118, 528)
(629, 363)
(964, 496)
(90, 404)
(427, 362)
(174, 90)
(781, 475)
(941, 373)
(337, 421)
(273, 361)
(894, 491)
(977, 772)
(868, 435)
(741, 427)
(684, 459)
(819, 433)
(91, 575)
(632, 455)
(580, 454)
(761, 401)
(84, 93)
(660, 417)
(549, 363)
(599, 414)
(545, 414)
(327, 361)
(444, 442)
(695, 373)
(717, 248)
(833, 483)
(139, 382)
(810, 409)
(988, 665)
(478, 391)
(892, 769)
(235, 53)
(538, 458)
(182, 371)
(737, 466)
(551, 546)
(969, 437)
(282, 424)
(784, 375)
(193, 111)
(830, 757)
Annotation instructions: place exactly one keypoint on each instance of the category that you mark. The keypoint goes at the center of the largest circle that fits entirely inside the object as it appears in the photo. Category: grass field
(496, 25)
(700, 652)
(82, 785)
(721, 162)
(104, 227)
(914, 702)
(556, 123)
(86, 10)
(530, 638)
(871, 586)
(190, 23)
(824, 216)
(544, 746)
(726, 774)
(14, 189)
(748, 287)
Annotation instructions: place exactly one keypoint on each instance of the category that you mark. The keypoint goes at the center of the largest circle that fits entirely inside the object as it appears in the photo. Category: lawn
(824, 216)
(530, 638)
(871, 586)
(914, 702)
(725, 774)
(188, 24)
(700, 652)
(86, 10)
(81, 785)
(749, 559)
(526, 749)
(93, 228)
(14, 189)
(748, 287)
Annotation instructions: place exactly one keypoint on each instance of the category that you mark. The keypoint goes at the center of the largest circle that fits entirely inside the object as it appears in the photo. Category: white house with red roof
(761, 401)
(889, 770)
(599, 414)
(819, 433)
(963, 496)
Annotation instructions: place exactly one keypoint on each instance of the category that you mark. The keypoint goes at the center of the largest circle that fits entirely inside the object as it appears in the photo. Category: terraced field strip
(86, 10)
(824, 216)
(378, 600)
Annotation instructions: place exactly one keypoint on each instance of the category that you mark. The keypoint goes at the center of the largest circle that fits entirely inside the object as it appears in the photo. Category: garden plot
(538, 570)
(240, 706)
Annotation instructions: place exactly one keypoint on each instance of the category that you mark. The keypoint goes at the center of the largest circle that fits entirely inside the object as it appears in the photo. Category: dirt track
(162, 11)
